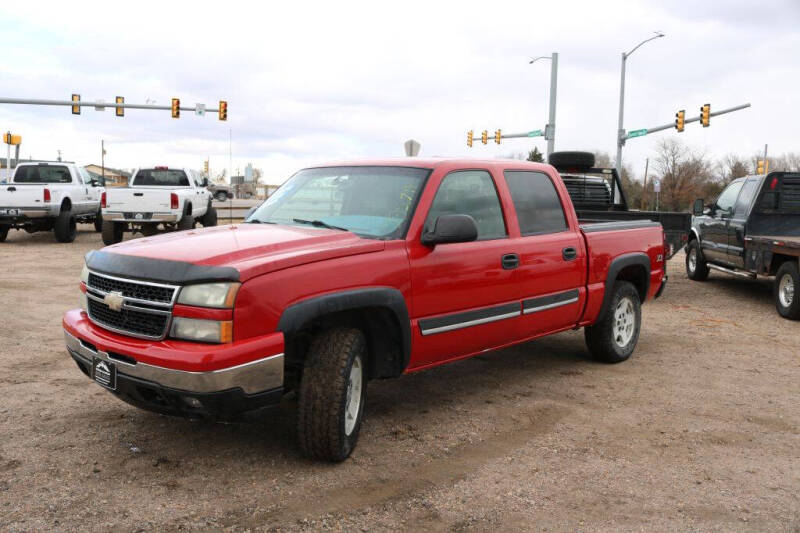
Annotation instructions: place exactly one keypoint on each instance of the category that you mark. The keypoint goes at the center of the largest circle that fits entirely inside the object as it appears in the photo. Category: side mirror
(451, 228)
(94, 183)
(698, 207)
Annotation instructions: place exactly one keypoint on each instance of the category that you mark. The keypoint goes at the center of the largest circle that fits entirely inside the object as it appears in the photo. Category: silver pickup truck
(45, 196)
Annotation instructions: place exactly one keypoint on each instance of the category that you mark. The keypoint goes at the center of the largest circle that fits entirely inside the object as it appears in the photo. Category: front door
(465, 297)
(714, 228)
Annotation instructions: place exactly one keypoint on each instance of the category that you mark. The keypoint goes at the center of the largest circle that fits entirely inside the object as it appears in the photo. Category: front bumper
(152, 218)
(161, 375)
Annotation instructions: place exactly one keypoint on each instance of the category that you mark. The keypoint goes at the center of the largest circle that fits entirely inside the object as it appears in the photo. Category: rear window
(536, 201)
(166, 178)
(42, 174)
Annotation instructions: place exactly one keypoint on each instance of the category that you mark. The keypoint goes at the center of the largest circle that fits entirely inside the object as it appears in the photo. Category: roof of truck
(428, 162)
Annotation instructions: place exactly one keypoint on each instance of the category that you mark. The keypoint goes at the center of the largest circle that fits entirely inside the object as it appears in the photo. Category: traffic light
(176, 108)
(223, 110)
(469, 138)
(76, 109)
(485, 137)
(205, 166)
(120, 110)
(705, 115)
(762, 167)
(680, 120)
(12, 139)
(497, 136)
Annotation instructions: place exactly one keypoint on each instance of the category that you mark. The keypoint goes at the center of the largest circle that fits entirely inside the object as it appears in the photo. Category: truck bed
(676, 225)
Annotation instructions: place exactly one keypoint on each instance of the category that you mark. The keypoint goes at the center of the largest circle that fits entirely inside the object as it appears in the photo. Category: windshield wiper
(318, 224)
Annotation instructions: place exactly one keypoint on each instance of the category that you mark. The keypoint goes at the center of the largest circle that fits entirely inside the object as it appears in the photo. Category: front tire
(696, 267)
(787, 281)
(65, 227)
(112, 232)
(333, 391)
(613, 338)
(4, 232)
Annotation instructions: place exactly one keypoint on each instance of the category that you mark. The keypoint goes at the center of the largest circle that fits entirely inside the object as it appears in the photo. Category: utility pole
(550, 128)
(766, 165)
(620, 127)
(103, 160)
(644, 187)
(59, 154)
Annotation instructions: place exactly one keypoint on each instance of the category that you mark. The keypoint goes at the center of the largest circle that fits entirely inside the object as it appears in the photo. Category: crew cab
(49, 196)
(358, 271)
(752, 229)
(159, 198)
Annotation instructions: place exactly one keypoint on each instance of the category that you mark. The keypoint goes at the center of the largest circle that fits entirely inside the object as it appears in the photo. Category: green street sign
(637, 133)
(535, 133)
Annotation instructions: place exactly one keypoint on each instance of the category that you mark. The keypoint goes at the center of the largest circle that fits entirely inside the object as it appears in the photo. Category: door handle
(510, 261)
(138, 194)
(569, 253)
(11, 189)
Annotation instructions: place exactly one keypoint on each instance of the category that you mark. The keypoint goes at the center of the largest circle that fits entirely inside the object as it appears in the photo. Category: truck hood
(249, 249)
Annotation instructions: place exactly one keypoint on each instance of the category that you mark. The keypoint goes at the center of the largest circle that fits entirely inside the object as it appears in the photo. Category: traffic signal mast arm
(671, 125)
(83, 103)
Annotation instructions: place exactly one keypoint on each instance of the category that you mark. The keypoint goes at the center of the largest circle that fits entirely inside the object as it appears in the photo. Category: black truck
(752, 229)
(598, 196)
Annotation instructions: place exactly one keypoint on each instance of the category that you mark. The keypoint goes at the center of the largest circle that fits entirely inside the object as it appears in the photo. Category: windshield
(375, 202)
(158, 178)
(42, 174)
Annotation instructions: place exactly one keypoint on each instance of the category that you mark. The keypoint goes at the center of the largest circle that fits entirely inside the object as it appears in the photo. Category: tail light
(173, 200)
(103, 203)
(47, 195)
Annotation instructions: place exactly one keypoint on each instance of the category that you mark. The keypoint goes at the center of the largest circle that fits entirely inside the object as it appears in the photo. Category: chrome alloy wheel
(692, 260)
(786, 290)
(624, 322)
(353, 401)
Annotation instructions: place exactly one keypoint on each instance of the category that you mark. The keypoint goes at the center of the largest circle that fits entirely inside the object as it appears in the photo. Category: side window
(728, 197)
(536, 201)
(746, 196)
(469, 192)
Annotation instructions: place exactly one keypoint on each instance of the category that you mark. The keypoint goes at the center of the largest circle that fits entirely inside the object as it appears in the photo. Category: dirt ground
(699, 430)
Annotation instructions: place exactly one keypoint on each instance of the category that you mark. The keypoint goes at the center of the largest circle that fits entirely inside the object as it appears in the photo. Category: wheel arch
(66, 204)
(380, 312)
(635, 268)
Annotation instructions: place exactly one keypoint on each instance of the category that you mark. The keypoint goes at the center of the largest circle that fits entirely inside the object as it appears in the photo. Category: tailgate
(138, 200)
(676, 225)
(21, 195)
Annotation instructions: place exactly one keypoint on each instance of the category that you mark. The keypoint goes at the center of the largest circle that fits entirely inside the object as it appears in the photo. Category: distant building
(114, 177)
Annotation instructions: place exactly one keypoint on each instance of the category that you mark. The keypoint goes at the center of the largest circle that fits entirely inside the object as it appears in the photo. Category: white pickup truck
(44, 196)
(173, 198)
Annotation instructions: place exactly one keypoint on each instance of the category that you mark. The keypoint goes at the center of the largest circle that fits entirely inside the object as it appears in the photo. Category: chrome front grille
(137, 308)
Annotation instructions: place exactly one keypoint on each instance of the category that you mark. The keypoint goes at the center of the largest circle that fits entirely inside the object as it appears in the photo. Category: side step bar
(746, 275)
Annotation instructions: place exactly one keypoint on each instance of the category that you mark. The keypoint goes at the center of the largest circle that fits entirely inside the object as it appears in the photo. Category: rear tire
(4, 232)
(787, 281)
(112, 232)
(65, 227)
(98, 221)
(613, 338)
(332, 394)
(696, 267)
(186, 222)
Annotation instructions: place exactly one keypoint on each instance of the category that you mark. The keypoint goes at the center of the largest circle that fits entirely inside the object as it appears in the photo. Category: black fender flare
(295, 317)
(616, 266)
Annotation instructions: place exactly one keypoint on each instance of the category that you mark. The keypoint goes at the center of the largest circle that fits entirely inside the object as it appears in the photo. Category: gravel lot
(700, 430)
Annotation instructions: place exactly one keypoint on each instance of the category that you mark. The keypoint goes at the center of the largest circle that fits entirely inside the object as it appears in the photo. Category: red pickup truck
(358, 271)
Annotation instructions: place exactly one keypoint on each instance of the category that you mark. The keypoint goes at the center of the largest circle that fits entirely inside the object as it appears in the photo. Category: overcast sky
(315, 82)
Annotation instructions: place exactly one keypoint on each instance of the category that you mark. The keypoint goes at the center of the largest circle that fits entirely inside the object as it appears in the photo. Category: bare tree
(730, 167)
(685, 174)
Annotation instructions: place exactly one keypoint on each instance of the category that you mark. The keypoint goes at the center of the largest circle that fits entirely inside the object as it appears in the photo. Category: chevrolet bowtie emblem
(114, 301)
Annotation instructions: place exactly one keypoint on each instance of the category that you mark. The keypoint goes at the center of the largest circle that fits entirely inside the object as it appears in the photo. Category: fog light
(194, 403)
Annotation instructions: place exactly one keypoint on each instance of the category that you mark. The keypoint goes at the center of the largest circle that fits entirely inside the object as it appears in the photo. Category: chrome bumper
(27, 213)
(156, 218)
(253, 377)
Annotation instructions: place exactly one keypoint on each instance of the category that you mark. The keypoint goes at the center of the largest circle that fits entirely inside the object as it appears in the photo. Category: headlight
(194, 329)
(85, 274)
(209, 295)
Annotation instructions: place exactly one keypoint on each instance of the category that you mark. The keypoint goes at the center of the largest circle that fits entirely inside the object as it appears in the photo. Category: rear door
(464, 300)
(736, 224)
(552, 266)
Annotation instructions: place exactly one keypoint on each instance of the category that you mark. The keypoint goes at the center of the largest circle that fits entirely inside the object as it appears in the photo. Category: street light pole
(550, 129)
(620, 128)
